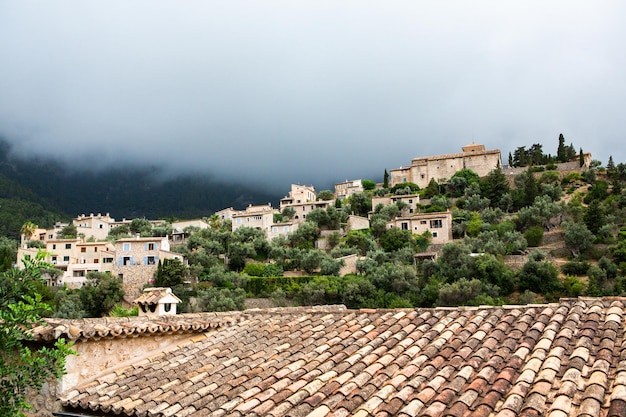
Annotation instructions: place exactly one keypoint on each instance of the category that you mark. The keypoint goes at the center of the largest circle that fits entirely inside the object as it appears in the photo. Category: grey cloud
(309, 92)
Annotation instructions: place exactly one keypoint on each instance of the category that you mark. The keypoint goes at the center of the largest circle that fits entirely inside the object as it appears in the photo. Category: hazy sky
(310, 91)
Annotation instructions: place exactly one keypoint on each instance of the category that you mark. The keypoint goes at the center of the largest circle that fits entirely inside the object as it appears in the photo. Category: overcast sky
(311, 91)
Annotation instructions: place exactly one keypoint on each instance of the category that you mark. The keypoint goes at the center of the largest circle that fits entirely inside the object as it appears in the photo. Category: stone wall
(96, 357)
(562, 168)
(349, 265)
(134, 277)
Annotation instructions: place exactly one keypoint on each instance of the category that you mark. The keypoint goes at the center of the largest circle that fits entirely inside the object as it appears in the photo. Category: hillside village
(375, 269)
(134, 259)
(97, 243)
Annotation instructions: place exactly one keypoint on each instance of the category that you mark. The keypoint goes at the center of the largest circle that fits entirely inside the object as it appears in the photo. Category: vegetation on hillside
(581, 213)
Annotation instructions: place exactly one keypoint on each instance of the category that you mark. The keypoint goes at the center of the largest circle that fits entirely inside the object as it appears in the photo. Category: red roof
(561, 359)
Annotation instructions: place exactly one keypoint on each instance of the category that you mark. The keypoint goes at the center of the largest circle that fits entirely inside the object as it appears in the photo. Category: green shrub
(574, 287)
(120, 311)
(570, 178)
(254, 269)
(459, 292)
(575, 267)
(539, 275)
(220, 299)
(534, 236)
(272, 270)
(527, 297)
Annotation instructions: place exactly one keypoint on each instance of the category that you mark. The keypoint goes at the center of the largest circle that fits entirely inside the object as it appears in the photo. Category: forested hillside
(44, 191)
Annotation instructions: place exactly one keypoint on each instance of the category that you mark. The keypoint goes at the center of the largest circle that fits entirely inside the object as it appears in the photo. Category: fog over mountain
(314, 92)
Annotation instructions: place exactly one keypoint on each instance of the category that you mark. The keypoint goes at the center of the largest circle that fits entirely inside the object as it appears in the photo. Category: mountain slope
(44, 191)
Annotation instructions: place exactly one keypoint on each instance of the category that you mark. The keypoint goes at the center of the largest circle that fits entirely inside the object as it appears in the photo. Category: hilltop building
(303, 200)
(258, 217)
(442, 167)
(347, 188)
(93, 227)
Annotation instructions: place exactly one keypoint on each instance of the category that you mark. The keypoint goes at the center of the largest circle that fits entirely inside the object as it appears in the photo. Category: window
(100, 226)
(150, 246)
(95, 261)
(54, 260)
(410, 201)
(285, 228)
(257, 217)
(78, 273)
(83, 249)
(54, 246)
(150, 260)
(404, 226)
(238, 221)
(404, 179)
(436, 224)
(107, 260)
(423, 176)
(127, 260)
(434, 234)
(275, 229)
(68, 246)
(422, 221)
(126, 247)
(66, 259)
(95, 249)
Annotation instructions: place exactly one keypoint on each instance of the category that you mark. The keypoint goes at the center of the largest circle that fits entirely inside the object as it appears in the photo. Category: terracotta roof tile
(566, 358)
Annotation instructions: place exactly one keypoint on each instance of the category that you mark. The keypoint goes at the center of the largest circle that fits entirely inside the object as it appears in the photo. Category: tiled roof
(562, 359)
(154, 295)
(121, 327)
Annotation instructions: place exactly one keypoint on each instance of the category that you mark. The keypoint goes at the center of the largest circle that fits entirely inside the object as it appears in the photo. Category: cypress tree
(581, 157)
(594, 217)
(611, 165)
(561, 153)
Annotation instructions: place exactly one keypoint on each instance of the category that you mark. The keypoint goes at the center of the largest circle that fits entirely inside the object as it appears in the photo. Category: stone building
(258, 217)
(282, 229)
(137, 260)
(93, 226)
(303, 200)
(412, 201)
(439, 224)
(442, 167)
(347, 188)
